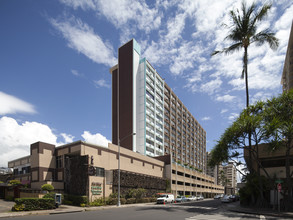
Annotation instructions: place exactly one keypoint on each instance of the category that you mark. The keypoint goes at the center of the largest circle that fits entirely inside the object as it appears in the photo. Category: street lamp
(118, 203)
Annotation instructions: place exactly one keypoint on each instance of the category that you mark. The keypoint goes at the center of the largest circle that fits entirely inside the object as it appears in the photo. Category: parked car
(226, 199)
(234, 198)
(200, 197)
(191, 198)
(181, 199)
(217, 197)
(165, 198)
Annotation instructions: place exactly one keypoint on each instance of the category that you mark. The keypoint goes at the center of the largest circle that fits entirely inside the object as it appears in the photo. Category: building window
(150, 95)
(100, 172)
(59, 162)
(159, 139)
(15, 171)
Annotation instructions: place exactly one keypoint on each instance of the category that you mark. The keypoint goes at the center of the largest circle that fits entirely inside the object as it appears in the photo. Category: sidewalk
(66, 209)
(235, 207)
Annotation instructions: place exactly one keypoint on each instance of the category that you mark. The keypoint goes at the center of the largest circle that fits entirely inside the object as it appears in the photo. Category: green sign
(96, 188)
(279, 181)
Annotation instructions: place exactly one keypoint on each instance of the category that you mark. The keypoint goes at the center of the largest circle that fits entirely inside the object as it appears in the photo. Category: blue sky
(55, 57)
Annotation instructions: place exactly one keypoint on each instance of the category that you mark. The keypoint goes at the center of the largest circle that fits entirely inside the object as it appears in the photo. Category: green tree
(243, 32)
(269, 122)
(47, 187)
(278, 122)
(248, 126)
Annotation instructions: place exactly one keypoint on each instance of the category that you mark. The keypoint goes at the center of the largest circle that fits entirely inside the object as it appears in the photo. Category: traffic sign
(279, 181)
(279, 187)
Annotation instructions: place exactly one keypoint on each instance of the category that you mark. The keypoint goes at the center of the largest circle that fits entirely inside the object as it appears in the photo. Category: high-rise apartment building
(212, 171)
(227, 177)
(287, 76)
(147, 116)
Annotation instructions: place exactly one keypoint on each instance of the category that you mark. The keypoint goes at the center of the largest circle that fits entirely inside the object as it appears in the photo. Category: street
(197, 210)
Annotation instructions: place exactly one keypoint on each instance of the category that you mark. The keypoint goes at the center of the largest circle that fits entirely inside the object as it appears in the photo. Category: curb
(285, 215)
(73, 210)
(65, 212)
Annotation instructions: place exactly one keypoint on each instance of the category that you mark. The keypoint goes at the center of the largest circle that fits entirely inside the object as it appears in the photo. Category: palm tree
(243, 32)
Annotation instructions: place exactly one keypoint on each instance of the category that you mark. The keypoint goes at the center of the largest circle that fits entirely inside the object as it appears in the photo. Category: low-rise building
(81, 168)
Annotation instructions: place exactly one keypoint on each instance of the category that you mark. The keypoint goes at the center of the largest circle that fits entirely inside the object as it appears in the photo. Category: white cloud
(233, 117)
(67, 137)
(207, 118)
(83, 39)
(102, 83)
(13, 105)
(15, 138)
(211, 86)
(97, 139)
(76, 73)
(84, 4)
(126, 15)
(226, 98)
(144, 17)
(224, 111)
(261, 96)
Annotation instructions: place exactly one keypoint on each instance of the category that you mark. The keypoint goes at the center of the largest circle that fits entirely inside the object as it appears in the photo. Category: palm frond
(266, 36)
(228, 50)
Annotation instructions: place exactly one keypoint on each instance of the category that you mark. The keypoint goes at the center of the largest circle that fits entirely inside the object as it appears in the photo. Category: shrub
(153, 199)
(122, 201)
(47, 187)
(136, 193)
(130, 200)
(14, 182)
(98, 202)
(76, 200)
(28, 204)
(112, 201)
(67, 202)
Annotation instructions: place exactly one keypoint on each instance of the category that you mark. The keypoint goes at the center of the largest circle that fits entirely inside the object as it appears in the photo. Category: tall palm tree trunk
(245, 72)
(245, 62)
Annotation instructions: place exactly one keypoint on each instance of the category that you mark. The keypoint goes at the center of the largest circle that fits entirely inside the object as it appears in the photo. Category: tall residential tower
(142, 103)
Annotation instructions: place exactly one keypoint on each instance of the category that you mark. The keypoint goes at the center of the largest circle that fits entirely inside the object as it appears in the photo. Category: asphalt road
(201, 210)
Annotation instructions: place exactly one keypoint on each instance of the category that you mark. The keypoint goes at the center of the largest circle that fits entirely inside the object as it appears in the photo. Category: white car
(201, 197)
(165, 198)
(191, 198)
(217, 197)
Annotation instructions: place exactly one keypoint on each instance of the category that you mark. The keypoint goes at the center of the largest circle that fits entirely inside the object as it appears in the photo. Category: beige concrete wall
(206, 182)
(35, 158)
(38, 185)
(279, 172)
(47, 159)
(62, 151)
(60, 176)
(129, 161)
(47, 175)
(35, 175)
(19, 162)
(31, 195)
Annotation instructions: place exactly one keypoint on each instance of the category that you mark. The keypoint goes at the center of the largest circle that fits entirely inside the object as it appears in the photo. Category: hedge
(28, 204)
(75, 200)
